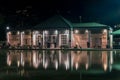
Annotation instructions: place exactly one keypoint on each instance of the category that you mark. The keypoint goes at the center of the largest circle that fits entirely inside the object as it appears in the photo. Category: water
(59, 65)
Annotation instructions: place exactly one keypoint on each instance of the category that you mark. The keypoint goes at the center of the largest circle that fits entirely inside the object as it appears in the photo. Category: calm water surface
(59, 65)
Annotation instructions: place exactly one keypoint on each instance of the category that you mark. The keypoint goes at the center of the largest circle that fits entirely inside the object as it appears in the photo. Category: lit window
(63, 39)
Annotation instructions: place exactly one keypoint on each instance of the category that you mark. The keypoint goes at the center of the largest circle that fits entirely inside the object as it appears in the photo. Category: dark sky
(103, 11)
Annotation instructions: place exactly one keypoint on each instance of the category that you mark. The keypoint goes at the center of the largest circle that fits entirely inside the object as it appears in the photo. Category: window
(63, 39)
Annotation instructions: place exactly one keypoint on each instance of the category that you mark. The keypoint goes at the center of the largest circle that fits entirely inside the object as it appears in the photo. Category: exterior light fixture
(104, 31)
(9, 32)
(46, 32)
(18, 32)
(23, 32)
(86, 31)
(76, 31)
(56, 31)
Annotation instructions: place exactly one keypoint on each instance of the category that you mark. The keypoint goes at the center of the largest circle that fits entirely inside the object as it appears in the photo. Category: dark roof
(57, 22)
(89, 25)
(54, 22)
(117, 32)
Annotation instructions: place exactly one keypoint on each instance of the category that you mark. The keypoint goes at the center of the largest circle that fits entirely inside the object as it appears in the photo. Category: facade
(116, 39)
(58, 32)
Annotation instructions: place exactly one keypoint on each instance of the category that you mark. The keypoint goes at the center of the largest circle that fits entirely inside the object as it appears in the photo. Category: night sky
(32, 12)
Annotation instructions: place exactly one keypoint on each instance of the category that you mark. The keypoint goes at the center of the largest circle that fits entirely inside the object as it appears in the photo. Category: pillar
(22, 38)
(34, 38)
(43, 42)
(111, 38)
(87, 38)
(31, 37)
(8, 37)
(59, 35)
(71, 38)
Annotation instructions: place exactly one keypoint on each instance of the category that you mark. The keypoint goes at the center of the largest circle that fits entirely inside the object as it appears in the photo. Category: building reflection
(57, 59)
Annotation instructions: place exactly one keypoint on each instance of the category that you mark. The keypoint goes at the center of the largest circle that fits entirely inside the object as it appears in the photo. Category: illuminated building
(57, 32)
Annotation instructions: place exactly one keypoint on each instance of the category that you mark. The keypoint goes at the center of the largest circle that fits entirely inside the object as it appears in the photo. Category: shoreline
(83, 49)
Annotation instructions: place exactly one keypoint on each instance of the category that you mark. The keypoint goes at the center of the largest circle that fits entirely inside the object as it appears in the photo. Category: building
(116, 38)
(57, 32)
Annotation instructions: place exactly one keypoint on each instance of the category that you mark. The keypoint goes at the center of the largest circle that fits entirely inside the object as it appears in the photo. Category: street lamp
(7, 34)
(7, 28)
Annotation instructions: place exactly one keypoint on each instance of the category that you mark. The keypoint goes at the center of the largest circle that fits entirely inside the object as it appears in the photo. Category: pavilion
(116, 40)
(57, 32)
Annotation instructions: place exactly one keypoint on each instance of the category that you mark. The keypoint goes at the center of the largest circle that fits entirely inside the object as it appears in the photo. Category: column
(43, 42)
(87, 38)
(111, 38)
(31, 38)
(34, 38)
(8, 37)
(71, 38)
(21, 38)
(59, 44)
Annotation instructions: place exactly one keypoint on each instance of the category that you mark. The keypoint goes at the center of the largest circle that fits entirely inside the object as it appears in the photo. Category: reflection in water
(57, 59)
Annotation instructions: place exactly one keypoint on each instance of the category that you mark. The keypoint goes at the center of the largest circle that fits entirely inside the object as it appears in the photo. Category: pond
(59, 65)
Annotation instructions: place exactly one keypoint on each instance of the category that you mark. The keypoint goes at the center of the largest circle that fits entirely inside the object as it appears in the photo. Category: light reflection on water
(57, 59)
(63, 64)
